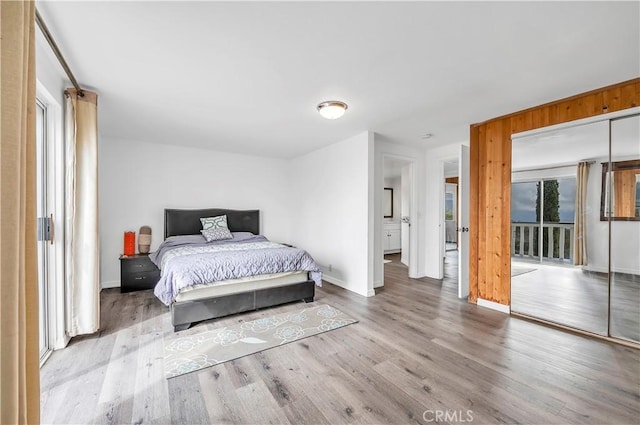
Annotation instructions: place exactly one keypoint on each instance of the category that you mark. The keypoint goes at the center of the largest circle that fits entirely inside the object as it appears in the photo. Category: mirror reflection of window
(448, 206)
(620, 194)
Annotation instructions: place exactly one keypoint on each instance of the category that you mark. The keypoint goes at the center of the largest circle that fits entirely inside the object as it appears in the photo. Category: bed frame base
(184, 313)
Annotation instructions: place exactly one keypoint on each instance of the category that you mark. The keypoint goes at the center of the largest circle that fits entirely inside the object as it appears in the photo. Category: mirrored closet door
(621, 205)
(554, 198)
(575, 228)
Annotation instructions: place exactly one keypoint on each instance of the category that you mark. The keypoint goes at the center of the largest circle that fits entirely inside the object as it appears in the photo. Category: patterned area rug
(184, 354)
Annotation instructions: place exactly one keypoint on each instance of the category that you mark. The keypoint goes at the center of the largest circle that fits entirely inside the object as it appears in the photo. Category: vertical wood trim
(503, 295)
(490, 180)
(473, 213)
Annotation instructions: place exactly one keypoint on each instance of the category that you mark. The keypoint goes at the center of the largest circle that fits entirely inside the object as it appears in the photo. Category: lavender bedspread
(189, 260)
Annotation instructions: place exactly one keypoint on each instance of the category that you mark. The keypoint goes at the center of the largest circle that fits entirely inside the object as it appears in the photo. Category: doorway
(397, 216)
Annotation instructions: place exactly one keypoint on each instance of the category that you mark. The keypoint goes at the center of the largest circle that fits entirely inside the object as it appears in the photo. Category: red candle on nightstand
(129, 243)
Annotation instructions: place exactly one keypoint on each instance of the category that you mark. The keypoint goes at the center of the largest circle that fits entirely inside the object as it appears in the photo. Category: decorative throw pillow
(218, 234)
(214, 222)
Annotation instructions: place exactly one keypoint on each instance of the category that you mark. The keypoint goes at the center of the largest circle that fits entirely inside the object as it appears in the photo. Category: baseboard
(405, 262)
(111, 284)
(378, 284)
(494, 306)
(335, 281)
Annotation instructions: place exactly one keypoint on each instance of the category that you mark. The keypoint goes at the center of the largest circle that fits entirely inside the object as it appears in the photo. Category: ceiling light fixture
(332, 109)
(426, 136)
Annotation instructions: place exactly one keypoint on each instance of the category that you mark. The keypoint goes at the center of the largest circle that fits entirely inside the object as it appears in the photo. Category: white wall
(332, 198)
(434, 207)
(395, 184)
(138, 180)
(48, 71)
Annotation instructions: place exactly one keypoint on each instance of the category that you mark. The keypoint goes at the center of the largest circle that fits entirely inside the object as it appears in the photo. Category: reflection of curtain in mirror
(580, 230)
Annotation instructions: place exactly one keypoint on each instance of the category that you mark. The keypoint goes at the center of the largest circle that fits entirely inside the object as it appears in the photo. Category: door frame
(56, 182)
(413, 229)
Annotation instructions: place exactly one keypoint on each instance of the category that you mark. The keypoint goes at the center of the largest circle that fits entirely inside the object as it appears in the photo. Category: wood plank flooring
(577, 298)
(417, 351)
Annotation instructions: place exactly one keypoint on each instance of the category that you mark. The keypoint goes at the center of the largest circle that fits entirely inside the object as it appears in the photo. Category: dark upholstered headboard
(187, 222)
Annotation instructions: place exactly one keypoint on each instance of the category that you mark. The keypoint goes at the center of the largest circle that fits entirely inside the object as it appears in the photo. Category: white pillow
(218, 234)
(214, 222)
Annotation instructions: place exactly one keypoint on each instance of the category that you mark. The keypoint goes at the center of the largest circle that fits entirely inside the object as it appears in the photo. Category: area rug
(184, 354)
(517, 271)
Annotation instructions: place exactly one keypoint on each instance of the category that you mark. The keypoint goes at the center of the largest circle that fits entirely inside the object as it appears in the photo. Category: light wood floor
(572, 297)
(417, 350)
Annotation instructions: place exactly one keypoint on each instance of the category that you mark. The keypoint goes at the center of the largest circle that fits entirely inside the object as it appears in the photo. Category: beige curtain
(81, 211)
(580, 228)
(19, 368)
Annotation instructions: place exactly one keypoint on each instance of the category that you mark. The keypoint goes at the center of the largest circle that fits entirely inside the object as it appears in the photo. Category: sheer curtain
(19, 368)
(580, 229)
(81, 211)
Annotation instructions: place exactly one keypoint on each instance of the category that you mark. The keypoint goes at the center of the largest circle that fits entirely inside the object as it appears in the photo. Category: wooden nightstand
(137, 273)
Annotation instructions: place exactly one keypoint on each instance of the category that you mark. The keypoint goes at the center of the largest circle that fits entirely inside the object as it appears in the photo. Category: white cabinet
(391, 241)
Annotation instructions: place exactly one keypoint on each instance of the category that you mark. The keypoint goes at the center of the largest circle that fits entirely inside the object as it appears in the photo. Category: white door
(463, 222)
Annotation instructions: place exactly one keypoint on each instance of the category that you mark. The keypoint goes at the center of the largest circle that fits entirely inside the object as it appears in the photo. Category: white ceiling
(246, 77)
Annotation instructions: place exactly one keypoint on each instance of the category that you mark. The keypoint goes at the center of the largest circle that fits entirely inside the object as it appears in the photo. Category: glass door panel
(42, 211)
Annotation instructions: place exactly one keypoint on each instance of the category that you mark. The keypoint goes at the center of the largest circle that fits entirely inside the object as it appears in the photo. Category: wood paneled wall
(490, 175)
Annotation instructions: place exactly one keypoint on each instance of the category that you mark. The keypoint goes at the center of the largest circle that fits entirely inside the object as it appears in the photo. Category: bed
(204, 302)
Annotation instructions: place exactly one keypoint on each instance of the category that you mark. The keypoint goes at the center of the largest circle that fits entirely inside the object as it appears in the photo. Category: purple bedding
(189, 260)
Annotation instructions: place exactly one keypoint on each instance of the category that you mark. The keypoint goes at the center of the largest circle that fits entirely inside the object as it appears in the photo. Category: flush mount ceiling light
(426, 136)
(332, 109)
